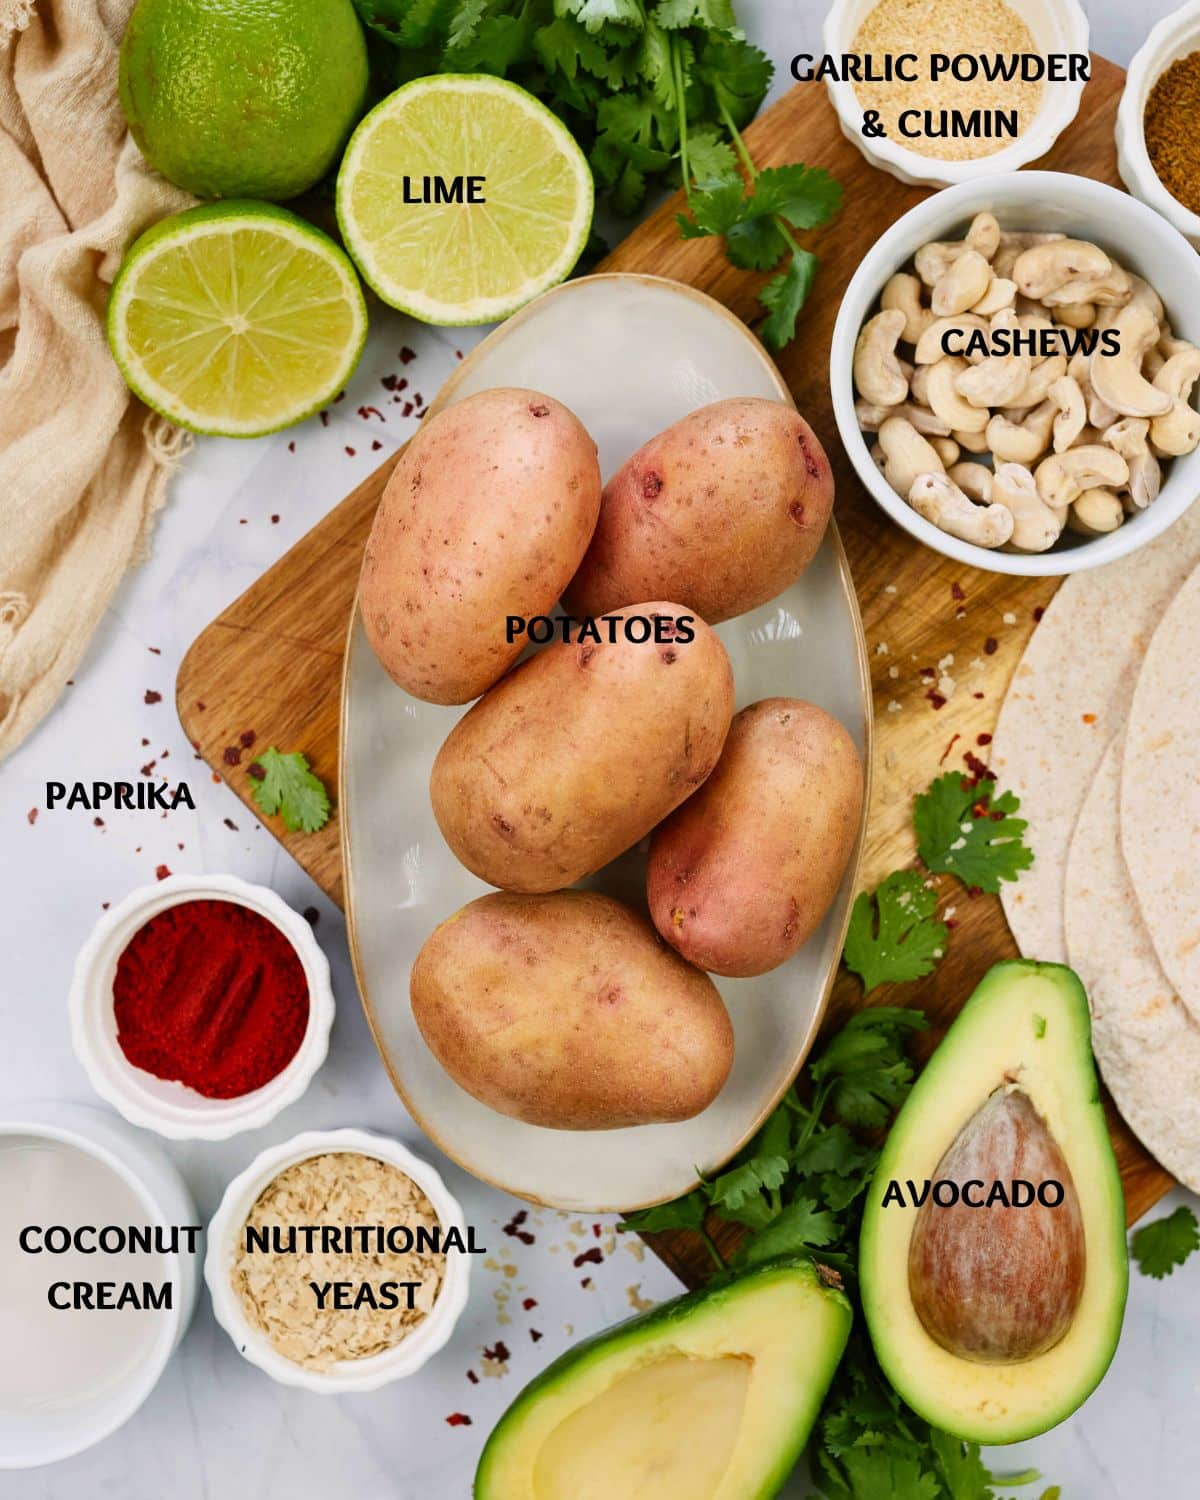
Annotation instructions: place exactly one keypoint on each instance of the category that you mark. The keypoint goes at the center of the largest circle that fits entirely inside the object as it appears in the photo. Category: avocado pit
(999, 1284)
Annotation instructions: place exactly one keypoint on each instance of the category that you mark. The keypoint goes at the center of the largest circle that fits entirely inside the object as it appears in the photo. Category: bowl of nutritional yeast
(1158, 151)
(985, 86)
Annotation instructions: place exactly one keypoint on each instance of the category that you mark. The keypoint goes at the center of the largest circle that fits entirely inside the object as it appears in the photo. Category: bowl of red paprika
(201, 1006)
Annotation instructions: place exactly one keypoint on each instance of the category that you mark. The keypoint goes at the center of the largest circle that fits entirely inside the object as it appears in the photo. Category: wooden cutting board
(273, 659)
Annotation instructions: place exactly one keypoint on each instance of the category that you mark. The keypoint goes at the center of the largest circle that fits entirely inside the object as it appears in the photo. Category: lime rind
(223, 219)
(416, 300)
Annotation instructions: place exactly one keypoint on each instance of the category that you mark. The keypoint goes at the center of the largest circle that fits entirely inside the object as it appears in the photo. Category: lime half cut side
(236, 318)
(453, 262)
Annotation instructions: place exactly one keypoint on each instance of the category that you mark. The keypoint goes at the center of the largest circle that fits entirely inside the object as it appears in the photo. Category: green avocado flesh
(709, 1397)
(1010, 1093)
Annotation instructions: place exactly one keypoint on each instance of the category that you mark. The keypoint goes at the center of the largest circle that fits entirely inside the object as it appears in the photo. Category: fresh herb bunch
(655, 93)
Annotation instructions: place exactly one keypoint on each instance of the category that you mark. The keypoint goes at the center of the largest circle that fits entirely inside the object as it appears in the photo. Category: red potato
(486, 514)
(721, 512)
(741, 875)
(579, 752)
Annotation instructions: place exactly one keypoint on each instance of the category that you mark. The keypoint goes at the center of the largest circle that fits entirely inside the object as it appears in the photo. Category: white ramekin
(370, 1373)
(1141, 240)
(175, 1111)
(1055, 25)
(1174, 37)
(31, 1438)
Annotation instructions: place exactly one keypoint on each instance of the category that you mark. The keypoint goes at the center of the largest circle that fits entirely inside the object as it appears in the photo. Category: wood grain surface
(273, 659)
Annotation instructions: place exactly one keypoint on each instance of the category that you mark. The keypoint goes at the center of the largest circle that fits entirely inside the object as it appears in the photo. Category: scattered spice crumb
(324, 415)
(499, 1352)
(586, 1283)
(31, 816)
(254, 770)
(148, 768)
(152, 696)
(274, 520)
(104, 905)
(291, 447)
(349, 450)
(636, 1300)
(592, 1257)
(154, 651)
(1008, 617)
(458, 1419)
(881, 648)
(513, 1227)
(893, 707)
(1038, 611)
(246, 738)
(375, 447)
(890, 589)
(311, 915)
(231, 755)
(983, 739)
(529, 1304)
(200, 705)
(162, 872)
(990, 645)
(954, 739)
(99, 823)
(1089, 718)
(341, 396)
(472, 1377)
(956, 591)
(407, 355)
(936, 698)
(893, 672)
(534, 1335)
(229, 823)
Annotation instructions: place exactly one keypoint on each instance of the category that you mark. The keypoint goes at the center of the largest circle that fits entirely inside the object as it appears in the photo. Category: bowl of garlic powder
(338, 1261)
(960, 88)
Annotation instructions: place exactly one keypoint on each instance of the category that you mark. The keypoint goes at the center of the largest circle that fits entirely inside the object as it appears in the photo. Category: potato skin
(577, 754)
(486, 514)
(565, 1010)
(741, 875)
(721, 512)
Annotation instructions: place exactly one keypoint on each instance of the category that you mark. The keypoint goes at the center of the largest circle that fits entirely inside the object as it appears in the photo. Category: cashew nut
(945, 448)
(998, 379)
(1117, 378)
(1065, 394)
(1036, 526)
(936, 497)
(946, 400)
(971, 442)
(929, 346)
(1076, 314)
(1021, 442)
(870, 417)
(906, 454)
(1128, 438)
(1178, 431)
(903, 293)
(1041, 378)
(968, 277)
(1062, 477)
(877, 372)
(1044, 268)
(975, 480)
(1000, 294)
(1111, 288)
(1013, 242)
(1095, 512)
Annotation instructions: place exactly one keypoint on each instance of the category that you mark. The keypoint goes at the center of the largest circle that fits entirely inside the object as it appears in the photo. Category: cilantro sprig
(285, 784)
(655, 93)
(965, 828)
(1163, 1245)
(894, 934)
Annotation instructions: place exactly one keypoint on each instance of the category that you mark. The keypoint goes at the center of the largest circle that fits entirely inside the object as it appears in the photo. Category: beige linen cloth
(83, 466)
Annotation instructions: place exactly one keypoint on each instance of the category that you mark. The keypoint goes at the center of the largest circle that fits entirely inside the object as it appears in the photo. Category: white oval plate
(629, 355)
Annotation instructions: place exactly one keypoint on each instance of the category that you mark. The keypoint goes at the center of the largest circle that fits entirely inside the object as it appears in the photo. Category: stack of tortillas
(1098, 737)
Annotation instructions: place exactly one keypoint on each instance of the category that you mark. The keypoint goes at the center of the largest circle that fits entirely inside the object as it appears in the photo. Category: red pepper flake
(974, 890)
(148, 768)
(216, 778)
(145, 742)
(990, 646)
(201, 706)
(324, 415)
(97, 822)
(162, 755)
(596, 1230)
(953, 741)
(152, 696)
(458, 354)
(243, 522)
(311, 915)
(534, 1335)
(513, 1227)
(983, 739)
(375, 447)
(180, 847)
(389, 382)
(341, 396)
(421, 413)
(161, 872)
(472, 1377)
(104, 905)
(292, 447)
(255, 770)
(371, 411)
(956, 591)
(936, 698)
(31, 816)
(1089, 718)
(229, 823)
(274, 520)
(499, 1352)
(407, 409)
(246, 738)
(458, 1419)
(976, 695)
(592, 1257)
(929, 673)
(407, 355)
(529, 1304)
(349, 451)
(1038, 612)
(585, 1282)
(232, 756)
(154, 651)
(418, 398)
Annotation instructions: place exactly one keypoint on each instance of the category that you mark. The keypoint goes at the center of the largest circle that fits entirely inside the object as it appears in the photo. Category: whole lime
(243, 98)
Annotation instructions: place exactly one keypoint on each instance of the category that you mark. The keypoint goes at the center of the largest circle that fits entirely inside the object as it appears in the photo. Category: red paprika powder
(212, 995)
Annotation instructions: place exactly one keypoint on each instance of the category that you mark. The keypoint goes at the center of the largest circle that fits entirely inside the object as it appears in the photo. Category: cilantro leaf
(1160, 1247)
(287, 786)
(498, 43)
(965, 829)
(683, 1213)
(597, 14)
(783, 297)
(805, 196)
(711, 15)
(737, 73)
(756, 244)
(864, 1071)
(738, 1194)
(801, 1226)
(893, 935)
(711, 159)
(875, 1471)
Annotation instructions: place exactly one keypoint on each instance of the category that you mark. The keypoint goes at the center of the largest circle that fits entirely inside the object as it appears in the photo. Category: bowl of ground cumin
(338, 1261)
(985, 85)
(1158, 148)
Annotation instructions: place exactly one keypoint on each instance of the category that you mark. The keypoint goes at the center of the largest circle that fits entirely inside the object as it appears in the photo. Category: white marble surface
(215, 1426)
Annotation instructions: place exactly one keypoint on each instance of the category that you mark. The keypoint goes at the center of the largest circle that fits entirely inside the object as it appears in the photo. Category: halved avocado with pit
(709, 1397)
(996, 1321)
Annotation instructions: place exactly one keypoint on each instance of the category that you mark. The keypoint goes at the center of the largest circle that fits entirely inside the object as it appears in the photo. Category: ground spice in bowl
(211, 994)
(1170, 123)
(339, 1219)
(969, 27)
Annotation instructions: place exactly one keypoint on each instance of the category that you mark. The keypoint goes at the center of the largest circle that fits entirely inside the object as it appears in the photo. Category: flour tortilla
(1145, 1041)
(1083, 660)
(1160, 793)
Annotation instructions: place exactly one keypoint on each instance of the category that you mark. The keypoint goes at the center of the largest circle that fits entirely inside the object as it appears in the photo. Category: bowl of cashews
(1014, 371)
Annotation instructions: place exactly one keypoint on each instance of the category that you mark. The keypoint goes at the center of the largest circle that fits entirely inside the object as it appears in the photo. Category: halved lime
(460, 261)
(236, 318)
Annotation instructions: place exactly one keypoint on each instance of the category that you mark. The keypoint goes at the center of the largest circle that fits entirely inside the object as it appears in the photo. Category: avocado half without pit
(709, 1397)
(993, 1261)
